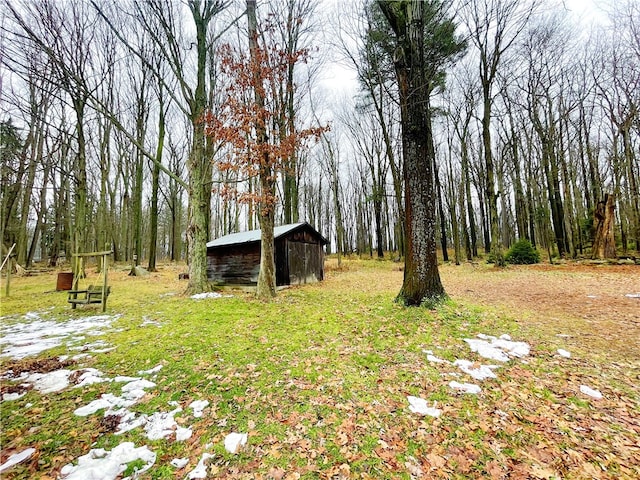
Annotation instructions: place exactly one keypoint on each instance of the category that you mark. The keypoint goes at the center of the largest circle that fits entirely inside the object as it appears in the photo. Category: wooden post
(7, 261)
(105, 270)
(6, 287)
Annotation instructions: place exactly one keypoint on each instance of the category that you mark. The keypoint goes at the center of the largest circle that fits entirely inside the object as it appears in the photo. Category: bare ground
(586, 302)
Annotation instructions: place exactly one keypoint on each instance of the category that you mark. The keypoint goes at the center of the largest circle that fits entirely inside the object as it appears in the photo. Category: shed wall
(235, 265)
(299, 259)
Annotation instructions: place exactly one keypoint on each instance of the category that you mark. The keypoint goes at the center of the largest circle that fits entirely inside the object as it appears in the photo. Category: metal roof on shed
(252, 235)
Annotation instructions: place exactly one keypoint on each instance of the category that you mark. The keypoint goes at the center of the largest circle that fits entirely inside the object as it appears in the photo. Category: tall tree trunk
(604, 245)
(632, 169)
(466, 182)
(80, 185)
(267, 275)
(155, 185)
(421, 277)
(441, 217)
(490, 193)
(198, 166)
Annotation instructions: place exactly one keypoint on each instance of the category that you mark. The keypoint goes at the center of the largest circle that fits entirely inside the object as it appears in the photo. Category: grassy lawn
(319, 380)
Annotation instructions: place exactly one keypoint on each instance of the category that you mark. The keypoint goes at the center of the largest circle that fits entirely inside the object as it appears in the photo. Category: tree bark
(267, 275)
(421, 277)
(604, 244)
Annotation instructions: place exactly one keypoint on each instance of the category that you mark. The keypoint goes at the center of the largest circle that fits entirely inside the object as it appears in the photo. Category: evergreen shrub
(522, 253)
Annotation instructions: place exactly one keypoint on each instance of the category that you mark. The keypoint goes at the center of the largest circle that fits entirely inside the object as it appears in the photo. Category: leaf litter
(531, 395)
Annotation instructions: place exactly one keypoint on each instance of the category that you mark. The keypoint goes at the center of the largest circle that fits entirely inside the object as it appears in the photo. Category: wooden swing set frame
(93, 293)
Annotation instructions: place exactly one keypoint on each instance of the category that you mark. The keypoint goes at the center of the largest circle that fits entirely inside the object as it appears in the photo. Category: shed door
(305, 262)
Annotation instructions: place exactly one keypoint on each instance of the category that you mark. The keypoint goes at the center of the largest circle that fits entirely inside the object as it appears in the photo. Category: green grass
(318, 378)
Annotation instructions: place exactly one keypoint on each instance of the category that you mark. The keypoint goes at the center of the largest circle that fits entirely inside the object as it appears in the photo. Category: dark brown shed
(299, 256)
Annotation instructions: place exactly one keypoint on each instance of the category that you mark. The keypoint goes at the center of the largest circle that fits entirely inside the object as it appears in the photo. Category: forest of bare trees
(107, 135)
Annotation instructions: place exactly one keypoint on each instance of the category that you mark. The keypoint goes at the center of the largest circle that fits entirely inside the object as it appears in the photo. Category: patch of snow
(465, 387)
(234, 442)
(564, 353)
(131, 393)
(198, 406)
(419, 405)
(161, 424)
(8, 397)
(201, 469)
(155, 369)
(592, 296)
(91, 376)
(99, 464)
(16, 458)
(591, 392)
(499, 349)
(36, 334)
(139, 384)
(179, 463)
(479, 373)
(107, 401)
(50, 382)
(122, 378)
(633, 295)
(128, 420)
(200, 296)
(183, 434)
(563, 335)
(433, 359)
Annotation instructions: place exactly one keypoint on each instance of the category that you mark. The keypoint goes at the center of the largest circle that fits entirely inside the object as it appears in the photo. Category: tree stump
(604, 243)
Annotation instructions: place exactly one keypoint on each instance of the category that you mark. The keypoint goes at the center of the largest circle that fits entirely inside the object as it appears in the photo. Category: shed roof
(255, 235)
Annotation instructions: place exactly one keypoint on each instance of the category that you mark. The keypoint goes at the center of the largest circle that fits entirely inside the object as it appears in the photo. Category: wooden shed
(299, 256)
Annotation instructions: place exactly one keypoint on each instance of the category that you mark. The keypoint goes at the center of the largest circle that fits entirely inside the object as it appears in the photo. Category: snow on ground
(179, 462)
(200, 296)
(16, 458)
(419, 405)
(99, 464)
(161, 424)
(8, 397)
(234, 442)
(564, 353)
(201, 469)
(477, 371)
(36, 334)
(50, 382)
(131, 393)
(591, 392)
(633, 295)
(156, 426)
(155, 369)
(198, 406)
(500, 349)
(465, 387)
(432, 358)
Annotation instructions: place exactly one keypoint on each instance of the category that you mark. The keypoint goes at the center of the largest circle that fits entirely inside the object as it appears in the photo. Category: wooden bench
(93, 294)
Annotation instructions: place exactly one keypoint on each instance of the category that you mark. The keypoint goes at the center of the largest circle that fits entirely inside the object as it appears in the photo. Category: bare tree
(493, 27)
